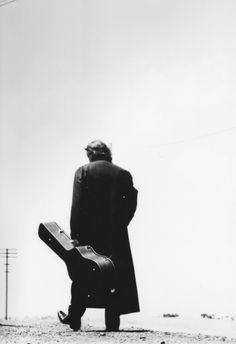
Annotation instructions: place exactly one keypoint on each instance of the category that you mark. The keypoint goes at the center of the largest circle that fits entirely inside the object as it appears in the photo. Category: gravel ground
(49, 330)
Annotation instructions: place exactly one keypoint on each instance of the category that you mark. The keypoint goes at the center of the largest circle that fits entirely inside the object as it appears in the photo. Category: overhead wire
(195, 138)
(4, 3)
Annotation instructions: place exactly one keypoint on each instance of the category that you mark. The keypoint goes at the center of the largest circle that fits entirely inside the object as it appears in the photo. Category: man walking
(104, 202)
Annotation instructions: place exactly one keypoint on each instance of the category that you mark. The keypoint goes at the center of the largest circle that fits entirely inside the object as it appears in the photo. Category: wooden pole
(7, 254)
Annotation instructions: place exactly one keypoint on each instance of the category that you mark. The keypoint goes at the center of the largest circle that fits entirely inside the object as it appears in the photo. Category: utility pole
(7, 253)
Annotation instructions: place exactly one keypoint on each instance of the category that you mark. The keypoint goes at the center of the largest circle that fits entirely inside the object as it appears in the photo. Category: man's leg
(78, 305)
(112, 319)
(76, 308)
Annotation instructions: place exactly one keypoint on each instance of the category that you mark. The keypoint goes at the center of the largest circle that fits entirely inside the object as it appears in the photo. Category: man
(104, 202)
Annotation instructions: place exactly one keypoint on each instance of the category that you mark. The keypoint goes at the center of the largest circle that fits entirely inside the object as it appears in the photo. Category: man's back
(102, 195)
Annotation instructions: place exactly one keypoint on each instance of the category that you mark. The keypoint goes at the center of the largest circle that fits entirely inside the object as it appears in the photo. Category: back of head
(98, 150)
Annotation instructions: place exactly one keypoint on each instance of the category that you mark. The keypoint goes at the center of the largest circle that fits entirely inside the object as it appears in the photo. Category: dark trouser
(78, 308)
(112, 319)
(78, 303)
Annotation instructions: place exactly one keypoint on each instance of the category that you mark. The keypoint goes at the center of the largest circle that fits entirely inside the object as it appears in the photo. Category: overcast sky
(156, 80)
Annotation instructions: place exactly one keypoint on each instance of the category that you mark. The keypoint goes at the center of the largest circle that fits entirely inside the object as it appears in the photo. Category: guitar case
(94, 272)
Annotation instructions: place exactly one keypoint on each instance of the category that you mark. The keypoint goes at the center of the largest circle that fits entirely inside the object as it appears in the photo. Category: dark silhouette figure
(104, 202)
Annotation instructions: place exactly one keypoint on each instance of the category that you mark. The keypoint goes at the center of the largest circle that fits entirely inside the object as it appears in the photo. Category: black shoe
(75, 326)
(64, 319)
(112, 329)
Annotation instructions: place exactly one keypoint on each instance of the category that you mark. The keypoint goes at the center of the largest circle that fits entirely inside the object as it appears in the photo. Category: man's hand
(75, 242)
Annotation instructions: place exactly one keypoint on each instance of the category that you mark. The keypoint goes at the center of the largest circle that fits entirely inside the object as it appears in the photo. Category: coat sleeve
(129, 198)
(77, 208)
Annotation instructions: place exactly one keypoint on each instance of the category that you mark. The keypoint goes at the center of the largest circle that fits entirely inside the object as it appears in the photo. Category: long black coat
(104, 202)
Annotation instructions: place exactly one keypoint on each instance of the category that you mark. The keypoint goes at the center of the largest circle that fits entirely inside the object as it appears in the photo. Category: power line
(195, 138)
(4, 3)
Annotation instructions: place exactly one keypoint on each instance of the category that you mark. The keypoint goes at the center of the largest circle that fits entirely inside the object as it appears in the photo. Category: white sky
(155, 79)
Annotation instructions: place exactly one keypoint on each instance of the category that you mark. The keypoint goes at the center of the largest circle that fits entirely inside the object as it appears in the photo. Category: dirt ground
(49, 330)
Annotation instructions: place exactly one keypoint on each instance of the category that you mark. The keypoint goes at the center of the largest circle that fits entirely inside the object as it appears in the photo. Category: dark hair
(98, 150)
